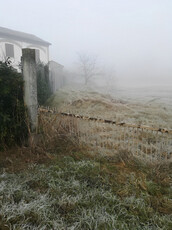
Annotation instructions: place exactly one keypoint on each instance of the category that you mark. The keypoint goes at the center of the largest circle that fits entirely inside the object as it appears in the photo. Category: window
(9, 48)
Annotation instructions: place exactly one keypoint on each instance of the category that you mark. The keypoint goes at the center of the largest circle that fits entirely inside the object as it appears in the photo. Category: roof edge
(21, 36)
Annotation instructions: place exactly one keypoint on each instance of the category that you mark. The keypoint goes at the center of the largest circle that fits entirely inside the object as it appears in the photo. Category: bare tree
(88, 67)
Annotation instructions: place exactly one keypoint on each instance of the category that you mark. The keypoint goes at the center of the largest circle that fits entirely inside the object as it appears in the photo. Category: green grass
(83, 194)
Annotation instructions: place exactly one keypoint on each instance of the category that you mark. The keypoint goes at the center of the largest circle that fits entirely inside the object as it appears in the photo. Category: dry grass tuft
(58, 134)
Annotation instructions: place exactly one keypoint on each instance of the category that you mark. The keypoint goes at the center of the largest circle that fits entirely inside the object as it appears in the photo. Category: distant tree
(88, 67)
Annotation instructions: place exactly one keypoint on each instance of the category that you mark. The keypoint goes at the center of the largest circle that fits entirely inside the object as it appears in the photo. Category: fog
(132, 37)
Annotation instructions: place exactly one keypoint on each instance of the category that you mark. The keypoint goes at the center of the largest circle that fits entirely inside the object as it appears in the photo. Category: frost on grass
(72, 195)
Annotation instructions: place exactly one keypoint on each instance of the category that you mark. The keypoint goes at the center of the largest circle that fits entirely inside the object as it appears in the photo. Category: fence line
(107, 136)
(54, 110)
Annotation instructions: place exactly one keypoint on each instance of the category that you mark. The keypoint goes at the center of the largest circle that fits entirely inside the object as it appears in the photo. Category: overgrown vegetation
(83, 191)
(13, 122)
(43, 84)
(13, 127)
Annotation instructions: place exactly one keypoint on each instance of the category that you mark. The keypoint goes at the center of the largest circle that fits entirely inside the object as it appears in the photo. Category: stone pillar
(30, 86)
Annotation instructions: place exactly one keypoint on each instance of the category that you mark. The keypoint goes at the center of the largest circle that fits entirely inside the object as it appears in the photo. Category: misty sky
(134, 37)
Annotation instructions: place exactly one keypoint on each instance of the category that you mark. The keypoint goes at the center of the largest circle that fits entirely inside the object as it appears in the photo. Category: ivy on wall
(43, 84)
(13, 122)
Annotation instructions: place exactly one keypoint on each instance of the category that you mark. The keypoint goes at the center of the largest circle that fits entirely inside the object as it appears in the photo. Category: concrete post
(30, 86)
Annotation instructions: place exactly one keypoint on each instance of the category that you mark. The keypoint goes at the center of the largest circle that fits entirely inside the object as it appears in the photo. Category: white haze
(134, 37)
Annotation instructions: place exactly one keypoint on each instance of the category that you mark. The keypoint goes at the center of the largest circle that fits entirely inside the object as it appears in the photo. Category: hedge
(13, 125)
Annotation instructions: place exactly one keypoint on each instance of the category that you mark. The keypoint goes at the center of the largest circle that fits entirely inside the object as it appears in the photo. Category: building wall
(18, 46)
(56, 76)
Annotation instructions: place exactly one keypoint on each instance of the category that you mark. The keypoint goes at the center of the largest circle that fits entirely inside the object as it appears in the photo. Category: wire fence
(107, 137)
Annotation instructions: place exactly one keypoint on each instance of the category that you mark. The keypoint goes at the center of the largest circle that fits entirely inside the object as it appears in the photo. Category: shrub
(13, 127)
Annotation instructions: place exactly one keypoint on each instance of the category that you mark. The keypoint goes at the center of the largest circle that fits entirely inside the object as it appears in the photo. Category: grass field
(76, 191)
(141, 106)
(59, 185)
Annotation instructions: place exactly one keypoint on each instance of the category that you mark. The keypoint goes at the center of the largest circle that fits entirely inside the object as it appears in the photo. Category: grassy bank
(79, 192)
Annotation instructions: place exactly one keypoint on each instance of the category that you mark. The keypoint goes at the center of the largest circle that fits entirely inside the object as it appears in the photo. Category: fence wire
(107, 137)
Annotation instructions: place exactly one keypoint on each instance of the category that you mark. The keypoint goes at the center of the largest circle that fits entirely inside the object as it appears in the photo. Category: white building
(56, 75)
(12, 42)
